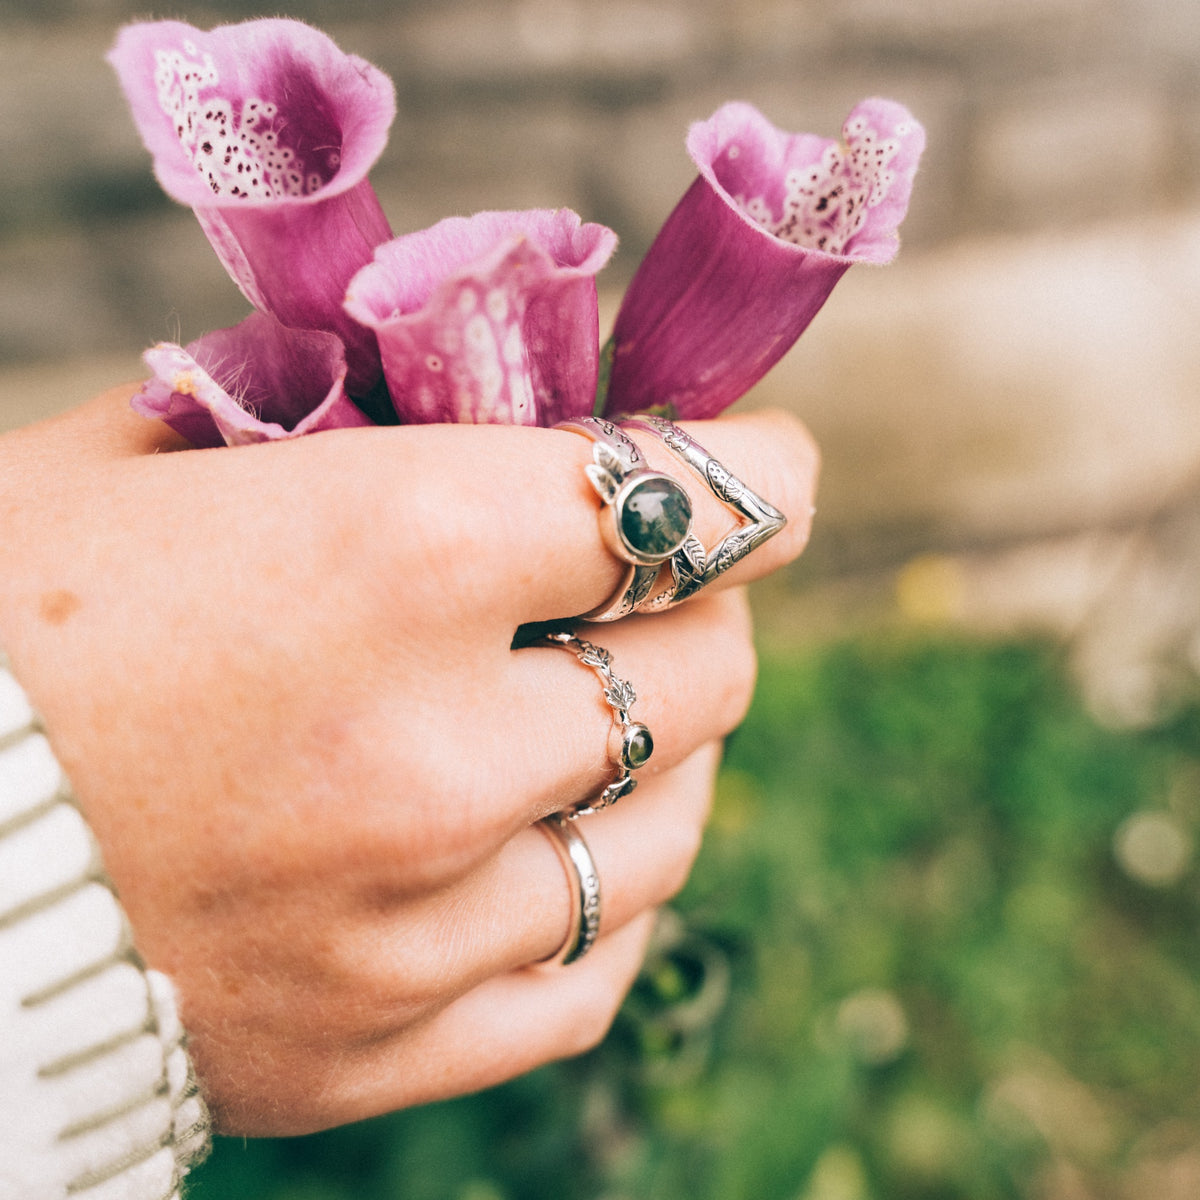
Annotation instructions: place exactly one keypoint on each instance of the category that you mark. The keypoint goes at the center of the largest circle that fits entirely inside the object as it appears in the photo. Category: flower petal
(754, 249)
(268, 131)
(490, 318)
(259, 381)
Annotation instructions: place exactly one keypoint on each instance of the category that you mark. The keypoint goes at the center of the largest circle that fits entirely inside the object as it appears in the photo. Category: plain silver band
(585, 888)
(692, 566)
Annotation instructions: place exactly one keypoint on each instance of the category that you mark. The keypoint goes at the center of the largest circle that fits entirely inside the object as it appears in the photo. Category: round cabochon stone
(655, 517)
(638, 747)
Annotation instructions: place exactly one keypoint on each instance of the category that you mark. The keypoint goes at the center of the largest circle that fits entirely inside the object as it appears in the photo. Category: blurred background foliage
(940, 945)
(941, 941)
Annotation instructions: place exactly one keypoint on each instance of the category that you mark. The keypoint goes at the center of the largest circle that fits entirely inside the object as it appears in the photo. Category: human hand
(281, 680)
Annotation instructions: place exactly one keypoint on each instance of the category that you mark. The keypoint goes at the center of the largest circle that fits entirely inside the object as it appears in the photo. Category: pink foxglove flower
(753, 250)
(259, 381)
(488, 319)
(267, 130)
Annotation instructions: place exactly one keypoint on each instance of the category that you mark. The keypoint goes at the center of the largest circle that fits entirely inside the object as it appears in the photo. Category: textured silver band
(637, 743)
(618, 473)
(692, 566)
(585, 888)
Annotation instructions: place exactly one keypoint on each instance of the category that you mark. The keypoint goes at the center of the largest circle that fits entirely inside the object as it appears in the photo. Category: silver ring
(636, 743)
(585, 888)
(692, 566)
(645, 516)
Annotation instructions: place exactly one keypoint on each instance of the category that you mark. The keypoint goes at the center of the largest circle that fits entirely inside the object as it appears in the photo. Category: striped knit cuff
(97, 1097)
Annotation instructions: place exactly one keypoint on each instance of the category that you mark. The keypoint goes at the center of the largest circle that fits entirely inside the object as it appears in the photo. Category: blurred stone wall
(1028, 367)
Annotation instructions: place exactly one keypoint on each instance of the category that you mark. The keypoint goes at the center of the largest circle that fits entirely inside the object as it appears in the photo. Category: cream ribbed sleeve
(97, 1098)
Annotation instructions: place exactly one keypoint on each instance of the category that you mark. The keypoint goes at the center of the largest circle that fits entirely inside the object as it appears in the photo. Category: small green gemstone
(655, 517)
(638, 747)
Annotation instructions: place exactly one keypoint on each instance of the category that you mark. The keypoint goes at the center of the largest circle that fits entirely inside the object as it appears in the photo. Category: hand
(281, 681)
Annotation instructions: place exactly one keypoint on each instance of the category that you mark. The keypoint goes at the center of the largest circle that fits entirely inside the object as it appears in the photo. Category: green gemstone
(638, 747)
(656, 516)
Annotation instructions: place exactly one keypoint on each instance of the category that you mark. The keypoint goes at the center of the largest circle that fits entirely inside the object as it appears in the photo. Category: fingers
(535, 734)
(769, 451)
(436, 996)
(505, 1027)
(516, 909)
(522, 1020)
(500, 525)
(644, 849)
(496, 523)
(693, 672)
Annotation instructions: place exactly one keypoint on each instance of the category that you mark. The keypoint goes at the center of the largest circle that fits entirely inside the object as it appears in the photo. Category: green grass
(908, 965)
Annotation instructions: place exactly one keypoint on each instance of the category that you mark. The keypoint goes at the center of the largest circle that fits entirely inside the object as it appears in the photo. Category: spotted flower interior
(824, 196)
(245, 146)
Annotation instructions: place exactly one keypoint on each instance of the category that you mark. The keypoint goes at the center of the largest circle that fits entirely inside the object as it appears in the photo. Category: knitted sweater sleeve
(97, 1096)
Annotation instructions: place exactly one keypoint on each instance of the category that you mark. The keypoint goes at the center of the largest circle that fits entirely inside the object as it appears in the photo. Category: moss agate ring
(645, 516)
(631, 743)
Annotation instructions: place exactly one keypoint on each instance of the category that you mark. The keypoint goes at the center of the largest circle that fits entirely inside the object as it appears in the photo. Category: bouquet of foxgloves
(269, 131)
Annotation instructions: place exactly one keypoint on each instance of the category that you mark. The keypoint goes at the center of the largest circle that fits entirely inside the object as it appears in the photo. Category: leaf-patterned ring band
(645, 516)
(585, 888)
(692, 566)
(636, 743)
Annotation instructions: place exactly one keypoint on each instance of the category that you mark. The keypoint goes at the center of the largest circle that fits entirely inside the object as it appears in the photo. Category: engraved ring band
(692, 565)
(585, 888)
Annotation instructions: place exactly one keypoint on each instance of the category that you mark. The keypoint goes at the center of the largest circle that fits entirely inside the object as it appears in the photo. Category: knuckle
(787, 477)
(734, 685)
(591, 1026)
(678, 848)
(740, 683)
(449, 821)
(385, 994)
(798, 456)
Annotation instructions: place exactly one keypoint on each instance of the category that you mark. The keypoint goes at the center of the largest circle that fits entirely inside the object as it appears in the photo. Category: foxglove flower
(267, 130)
(491, 318)
(259, 381)
(753, 250)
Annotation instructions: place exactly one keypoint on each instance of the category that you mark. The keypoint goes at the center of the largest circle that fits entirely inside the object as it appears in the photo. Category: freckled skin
(57, 607)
